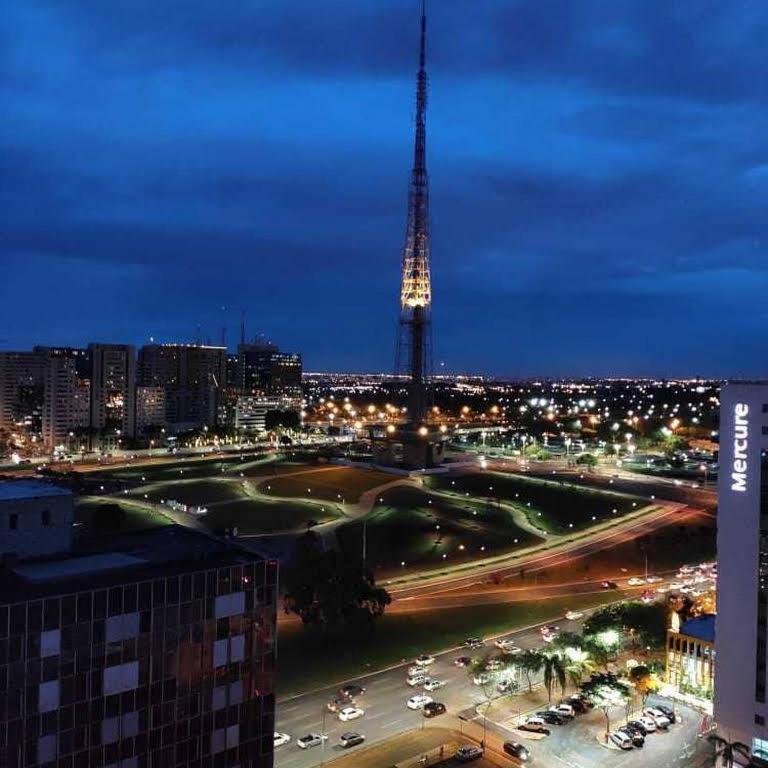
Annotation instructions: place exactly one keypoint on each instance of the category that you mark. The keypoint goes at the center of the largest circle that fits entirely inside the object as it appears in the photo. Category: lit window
(50, 643)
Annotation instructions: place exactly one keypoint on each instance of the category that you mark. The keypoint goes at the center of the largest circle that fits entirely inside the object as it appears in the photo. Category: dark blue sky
(599, 174)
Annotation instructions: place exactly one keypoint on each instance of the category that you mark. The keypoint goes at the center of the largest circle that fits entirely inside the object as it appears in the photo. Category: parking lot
(577, 744)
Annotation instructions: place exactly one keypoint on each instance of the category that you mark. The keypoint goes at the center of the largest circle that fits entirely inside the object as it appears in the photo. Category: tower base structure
(409, 446)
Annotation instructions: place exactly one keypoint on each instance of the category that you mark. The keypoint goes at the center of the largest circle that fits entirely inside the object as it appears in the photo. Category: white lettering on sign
(740, 442)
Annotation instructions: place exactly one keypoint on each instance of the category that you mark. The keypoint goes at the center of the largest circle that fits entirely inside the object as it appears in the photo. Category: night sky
(598, 168)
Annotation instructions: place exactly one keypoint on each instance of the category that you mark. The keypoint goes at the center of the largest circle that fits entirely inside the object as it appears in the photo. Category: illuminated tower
(416, 289)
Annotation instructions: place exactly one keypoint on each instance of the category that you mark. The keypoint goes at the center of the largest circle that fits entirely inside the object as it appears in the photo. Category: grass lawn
(333, 484)
(186, 469)
(305, 661)
(404, 528)
(97, 516)
(551, 505)
(194, 492)
(256, 516)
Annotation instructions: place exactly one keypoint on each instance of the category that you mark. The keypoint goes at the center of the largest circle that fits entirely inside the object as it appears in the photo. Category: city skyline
(595, 181)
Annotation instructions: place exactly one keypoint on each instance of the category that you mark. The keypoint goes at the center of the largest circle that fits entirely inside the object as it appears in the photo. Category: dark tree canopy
(330, 592)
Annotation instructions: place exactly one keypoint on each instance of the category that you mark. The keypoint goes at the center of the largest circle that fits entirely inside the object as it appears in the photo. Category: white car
(658, 717)
(350, 713)
(414, 680)
(621, 740)
(431, 684)
(548, 634)
(311, 740)
(425, 660)
(565, 710)
(648, 723)
(494, 665)
(414, 671)
(281, 738)
(653, 579)
(418, 701)
(635, 581)
(573, 615)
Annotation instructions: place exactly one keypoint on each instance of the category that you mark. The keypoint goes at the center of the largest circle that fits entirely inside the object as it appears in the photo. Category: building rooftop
(30, 489)
(119, 559)
(702, 628)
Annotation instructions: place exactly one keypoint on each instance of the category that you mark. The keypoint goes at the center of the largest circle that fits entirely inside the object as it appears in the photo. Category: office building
(113, 389)
(741, 684)
(151, 649)
(192, 376)
(150, 410)
(60, 386)
(265, 371)
(251, 413)
(35, 519)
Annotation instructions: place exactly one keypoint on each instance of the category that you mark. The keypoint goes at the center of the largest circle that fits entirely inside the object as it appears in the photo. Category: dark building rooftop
(702, 628)
(118, 559)
(29, 489)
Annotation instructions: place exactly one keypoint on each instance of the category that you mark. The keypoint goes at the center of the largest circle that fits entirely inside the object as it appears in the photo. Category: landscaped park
(398, 523)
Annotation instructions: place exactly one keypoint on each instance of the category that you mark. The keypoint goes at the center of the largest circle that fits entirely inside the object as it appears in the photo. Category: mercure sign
(740, 442)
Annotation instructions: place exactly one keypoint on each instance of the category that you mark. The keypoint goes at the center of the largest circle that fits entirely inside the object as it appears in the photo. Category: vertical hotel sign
(740, 444)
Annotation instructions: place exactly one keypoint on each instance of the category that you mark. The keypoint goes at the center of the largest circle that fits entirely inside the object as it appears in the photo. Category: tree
(275, 418)
(554, 672)
(727, 751)
(588, 460)
(645, 682)
(330, 592)
(605, 692)
(530, 663)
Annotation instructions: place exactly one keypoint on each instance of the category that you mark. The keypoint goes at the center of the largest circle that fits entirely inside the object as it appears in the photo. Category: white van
(621, 740)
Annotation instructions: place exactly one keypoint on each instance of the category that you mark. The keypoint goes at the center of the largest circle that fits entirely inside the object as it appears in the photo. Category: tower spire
(416, 289)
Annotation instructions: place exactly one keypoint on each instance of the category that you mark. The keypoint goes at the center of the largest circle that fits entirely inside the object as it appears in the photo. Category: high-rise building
(192, 376)
(59, 401)
(741, 641)
(150, 409)
(21, 390)
(113, 389)
(266, 371)
(144, 650)
(66, 401)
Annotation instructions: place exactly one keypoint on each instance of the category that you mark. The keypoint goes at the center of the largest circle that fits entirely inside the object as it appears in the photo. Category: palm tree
(554, 671)
(529, 663)
(728, 750)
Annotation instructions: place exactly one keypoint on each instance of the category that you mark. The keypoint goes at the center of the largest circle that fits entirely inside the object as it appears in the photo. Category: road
(384, 702)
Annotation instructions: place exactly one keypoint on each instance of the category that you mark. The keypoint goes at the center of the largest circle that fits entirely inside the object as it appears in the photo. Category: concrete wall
(31, 538)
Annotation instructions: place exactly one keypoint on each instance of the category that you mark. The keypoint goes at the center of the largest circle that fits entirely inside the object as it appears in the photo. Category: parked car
(637, 726)
(668, 711)
(515, 749)
(281, 738)
(550, 717)
(621, 740)
(474, 643)
(461, 661)
(573, 615)
(433, 684)
(468, 753)
(579, 705)
(415, 671)
(505, 644)
(536, 725)
(635, 581)
(311, 740)
(658, 717)
(648, 723)
(434, 708)
(350, 713)
(425, 660)
(549, 633)
(638, 740)
(506, 686)
(494, 665)
(351, 739)
(338, 703)
(351, 690)
(564, 710)
(419, 701)
(418, 679)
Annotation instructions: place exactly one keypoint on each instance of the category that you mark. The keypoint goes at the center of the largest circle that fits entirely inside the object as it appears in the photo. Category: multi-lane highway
(384, 703)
